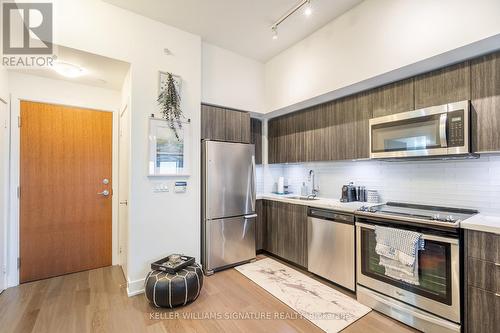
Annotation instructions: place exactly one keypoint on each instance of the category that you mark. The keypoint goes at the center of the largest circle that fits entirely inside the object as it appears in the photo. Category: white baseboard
(135, 287)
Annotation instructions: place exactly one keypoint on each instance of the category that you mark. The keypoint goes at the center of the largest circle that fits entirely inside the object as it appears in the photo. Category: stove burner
(427, 214)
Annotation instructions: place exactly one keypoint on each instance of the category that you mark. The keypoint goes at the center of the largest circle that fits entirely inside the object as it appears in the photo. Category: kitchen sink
(303, 198)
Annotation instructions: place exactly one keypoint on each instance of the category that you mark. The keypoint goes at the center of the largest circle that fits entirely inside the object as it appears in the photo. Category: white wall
(35, 88)
(231, 80)
(124, 172)
(4, 170)
(462, 183)
(42, 89)
(377, 37)
(4, 82)
(159, 223)
(4, 189)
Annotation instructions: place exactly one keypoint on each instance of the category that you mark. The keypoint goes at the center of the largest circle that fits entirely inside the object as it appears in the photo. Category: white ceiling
(100, 71)
(242, 26)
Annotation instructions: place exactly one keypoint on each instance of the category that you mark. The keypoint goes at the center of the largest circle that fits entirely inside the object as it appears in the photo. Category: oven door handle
(443, 121)
(424, 236)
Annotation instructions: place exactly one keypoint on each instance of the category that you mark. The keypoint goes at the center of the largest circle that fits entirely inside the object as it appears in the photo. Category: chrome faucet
(314, 190)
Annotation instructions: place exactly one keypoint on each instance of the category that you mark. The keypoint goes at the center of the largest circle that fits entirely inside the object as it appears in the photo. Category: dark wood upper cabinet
(213, 123)
(283, 133)
(349, 130)
(393, 98)
(272, 141)
(237, 126)
(339, 130)
(224, 124)
(275, 138)
(317, 142)
(256, 138)
(288, 143)
(485, 73)
(447, 85)
(362, 108)
(332, 131)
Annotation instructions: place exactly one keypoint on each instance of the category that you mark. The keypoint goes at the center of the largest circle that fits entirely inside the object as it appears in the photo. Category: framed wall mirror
(169, 155)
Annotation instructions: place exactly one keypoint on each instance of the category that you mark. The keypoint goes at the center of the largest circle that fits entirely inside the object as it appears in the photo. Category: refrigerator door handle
(251, 216)
(252, 183)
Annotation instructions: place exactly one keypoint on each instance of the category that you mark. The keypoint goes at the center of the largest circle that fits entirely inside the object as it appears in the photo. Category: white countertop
(333, 204)
(482, 222)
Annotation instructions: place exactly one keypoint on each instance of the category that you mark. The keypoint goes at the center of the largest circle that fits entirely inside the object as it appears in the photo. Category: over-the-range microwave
(434, 131)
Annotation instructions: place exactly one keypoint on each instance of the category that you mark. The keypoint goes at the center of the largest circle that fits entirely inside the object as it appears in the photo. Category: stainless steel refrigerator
(228, 204)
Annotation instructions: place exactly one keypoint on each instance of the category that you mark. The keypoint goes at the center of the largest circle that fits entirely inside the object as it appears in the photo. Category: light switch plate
(160, 188)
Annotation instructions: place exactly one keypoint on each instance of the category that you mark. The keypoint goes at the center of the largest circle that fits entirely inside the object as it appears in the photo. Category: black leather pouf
(170, 290)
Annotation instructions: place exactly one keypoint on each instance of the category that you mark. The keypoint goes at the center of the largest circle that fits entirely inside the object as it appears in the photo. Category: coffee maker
(348, 193)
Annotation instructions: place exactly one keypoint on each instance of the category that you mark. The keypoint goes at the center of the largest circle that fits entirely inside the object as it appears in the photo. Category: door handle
(104, 193)
(443, 119)
(249, 216)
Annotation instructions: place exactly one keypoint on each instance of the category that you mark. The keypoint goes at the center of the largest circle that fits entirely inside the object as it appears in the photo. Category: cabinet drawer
(483, 245)
(483, 311)
(484, 275)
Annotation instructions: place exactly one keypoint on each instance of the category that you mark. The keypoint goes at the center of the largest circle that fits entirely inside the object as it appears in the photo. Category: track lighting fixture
(275, 33)
(307, 12)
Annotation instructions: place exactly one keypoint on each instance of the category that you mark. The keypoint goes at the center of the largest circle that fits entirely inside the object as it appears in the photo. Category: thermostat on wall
(180, 187)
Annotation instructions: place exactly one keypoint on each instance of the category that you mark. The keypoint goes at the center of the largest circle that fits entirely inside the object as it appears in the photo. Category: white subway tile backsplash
(467, 183)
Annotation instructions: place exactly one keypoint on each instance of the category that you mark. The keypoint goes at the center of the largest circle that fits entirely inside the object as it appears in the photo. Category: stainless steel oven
(431, 306)
(434, 131)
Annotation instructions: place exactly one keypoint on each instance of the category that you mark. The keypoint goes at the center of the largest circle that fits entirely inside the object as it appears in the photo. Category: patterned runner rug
(325, 307)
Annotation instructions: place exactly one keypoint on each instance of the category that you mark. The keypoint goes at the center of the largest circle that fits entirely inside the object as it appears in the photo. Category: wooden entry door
(65, 224)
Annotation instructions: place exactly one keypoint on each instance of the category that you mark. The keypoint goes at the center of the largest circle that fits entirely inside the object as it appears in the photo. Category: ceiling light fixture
(68, 70)
(275, 33)
(307, 12)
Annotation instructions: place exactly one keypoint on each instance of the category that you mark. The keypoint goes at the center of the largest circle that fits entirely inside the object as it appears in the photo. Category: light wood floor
(96, 301)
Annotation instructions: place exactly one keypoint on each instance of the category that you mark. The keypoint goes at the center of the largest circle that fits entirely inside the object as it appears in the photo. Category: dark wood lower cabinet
(483, 245)
(286, 231)
(482, 282)
(483, 274)
(260, 227)
(483, 313)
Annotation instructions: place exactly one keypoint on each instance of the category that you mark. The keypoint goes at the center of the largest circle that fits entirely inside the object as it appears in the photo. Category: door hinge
(19, 192)
(18, 263)
(4, 269)
(19, 121)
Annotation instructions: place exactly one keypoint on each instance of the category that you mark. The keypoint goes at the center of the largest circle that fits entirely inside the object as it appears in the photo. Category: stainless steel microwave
(434, 131)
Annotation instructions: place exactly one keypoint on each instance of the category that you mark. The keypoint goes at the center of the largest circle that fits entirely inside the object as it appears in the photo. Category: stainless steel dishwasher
(330, 246)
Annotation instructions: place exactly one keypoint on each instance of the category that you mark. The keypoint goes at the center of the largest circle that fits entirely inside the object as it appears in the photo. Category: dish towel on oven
(398, 251)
